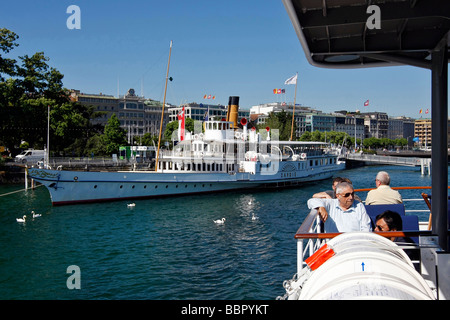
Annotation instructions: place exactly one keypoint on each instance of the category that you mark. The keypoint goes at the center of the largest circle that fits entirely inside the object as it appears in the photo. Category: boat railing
(55, 162)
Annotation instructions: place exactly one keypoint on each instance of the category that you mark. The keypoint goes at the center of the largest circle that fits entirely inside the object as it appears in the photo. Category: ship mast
(293, 111)
(162, 112)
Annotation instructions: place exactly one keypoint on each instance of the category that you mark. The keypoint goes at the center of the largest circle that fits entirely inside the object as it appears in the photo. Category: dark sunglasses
(348, 194)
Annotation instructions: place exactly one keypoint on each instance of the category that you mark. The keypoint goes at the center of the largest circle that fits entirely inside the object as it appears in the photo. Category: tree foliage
(114, 135)
(281, 121)
(173, 125)
(27, 88)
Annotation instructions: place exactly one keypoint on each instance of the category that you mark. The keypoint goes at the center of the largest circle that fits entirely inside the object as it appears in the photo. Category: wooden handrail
(388, 234)
(396, 188)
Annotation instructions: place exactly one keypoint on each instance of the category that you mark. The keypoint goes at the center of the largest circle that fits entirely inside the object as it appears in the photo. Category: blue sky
(245, 48)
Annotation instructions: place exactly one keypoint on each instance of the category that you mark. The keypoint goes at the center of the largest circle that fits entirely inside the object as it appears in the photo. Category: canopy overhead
(342, 33)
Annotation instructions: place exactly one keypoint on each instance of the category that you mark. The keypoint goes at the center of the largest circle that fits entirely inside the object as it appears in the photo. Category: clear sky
(242, 48)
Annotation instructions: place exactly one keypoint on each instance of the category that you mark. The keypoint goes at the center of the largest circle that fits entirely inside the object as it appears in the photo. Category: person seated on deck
(392, 221)
(342, 214)
(331, 194)
(383, 194)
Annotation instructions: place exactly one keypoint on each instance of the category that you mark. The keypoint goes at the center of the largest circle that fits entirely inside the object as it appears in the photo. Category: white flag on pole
(291, 80)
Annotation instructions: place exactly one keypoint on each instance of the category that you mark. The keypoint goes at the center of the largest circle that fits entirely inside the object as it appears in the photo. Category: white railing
(400, 161)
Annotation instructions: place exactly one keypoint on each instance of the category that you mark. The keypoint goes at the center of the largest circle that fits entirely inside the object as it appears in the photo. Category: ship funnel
(232, 113)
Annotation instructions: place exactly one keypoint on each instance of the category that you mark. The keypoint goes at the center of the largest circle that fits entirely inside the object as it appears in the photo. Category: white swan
(254, 217)
(21, 220)
(220, 221)
(131, 204)
(35, 215)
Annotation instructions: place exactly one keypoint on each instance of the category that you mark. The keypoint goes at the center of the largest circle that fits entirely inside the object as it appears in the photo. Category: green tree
(27, 88)
(7, 43)
(149, 139)
(306, 136)
(172, 126)
(281, 121)
(114, 135)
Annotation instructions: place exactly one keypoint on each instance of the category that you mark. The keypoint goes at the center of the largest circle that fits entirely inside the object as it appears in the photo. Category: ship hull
(72, 187)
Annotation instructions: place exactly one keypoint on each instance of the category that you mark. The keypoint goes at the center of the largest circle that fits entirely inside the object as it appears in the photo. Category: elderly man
(383, 194)
(342, 214)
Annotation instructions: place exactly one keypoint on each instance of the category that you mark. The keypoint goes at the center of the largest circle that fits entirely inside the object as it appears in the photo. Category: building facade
(136, 114)
(376, 124)
(422, 130)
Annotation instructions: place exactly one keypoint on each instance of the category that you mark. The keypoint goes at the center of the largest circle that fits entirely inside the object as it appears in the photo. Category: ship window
(121, 187)
(145, 187)
(95, 187)
(156, 187)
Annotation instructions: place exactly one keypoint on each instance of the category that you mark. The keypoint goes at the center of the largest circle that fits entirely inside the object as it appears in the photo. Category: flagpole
(293, 111)
(162, 113)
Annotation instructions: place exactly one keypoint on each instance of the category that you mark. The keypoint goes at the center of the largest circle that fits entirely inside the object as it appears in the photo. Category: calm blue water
(163, 248)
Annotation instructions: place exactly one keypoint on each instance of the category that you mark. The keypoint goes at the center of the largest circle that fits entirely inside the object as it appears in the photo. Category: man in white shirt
(343, 214)
(383, 194)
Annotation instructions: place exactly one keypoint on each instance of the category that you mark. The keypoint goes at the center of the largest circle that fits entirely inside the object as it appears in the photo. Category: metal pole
(293, 110)
(162, 113)
(46, 165)
(439, 116)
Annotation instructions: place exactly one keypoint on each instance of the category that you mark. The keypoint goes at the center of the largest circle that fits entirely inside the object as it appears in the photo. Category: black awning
(344, 33)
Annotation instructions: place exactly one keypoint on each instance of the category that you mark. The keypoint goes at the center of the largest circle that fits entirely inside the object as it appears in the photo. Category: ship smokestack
(232, 113)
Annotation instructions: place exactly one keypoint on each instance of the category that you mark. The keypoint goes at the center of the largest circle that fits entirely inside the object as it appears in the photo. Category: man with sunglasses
(342, 214)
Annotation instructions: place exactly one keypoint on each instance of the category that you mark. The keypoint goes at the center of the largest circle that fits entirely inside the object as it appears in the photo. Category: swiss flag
(181, 125)
(366, 103)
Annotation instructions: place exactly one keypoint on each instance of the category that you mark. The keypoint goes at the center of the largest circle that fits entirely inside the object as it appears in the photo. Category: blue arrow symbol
(362, 264)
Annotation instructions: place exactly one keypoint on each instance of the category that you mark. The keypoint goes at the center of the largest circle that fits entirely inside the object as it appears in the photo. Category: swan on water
(254, 217)
(21, 219)
(131, 205)
(220, 221)
(35, 215)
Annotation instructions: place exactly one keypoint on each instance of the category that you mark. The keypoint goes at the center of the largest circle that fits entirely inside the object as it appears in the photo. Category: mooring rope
(21, 190)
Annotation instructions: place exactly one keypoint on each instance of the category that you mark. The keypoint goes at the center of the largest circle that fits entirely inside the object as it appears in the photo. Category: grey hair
(343, 185)
(383, 177)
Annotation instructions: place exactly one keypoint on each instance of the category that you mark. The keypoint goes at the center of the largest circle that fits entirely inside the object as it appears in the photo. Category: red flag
(427, 111)
(181, 125)
(366, 103)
